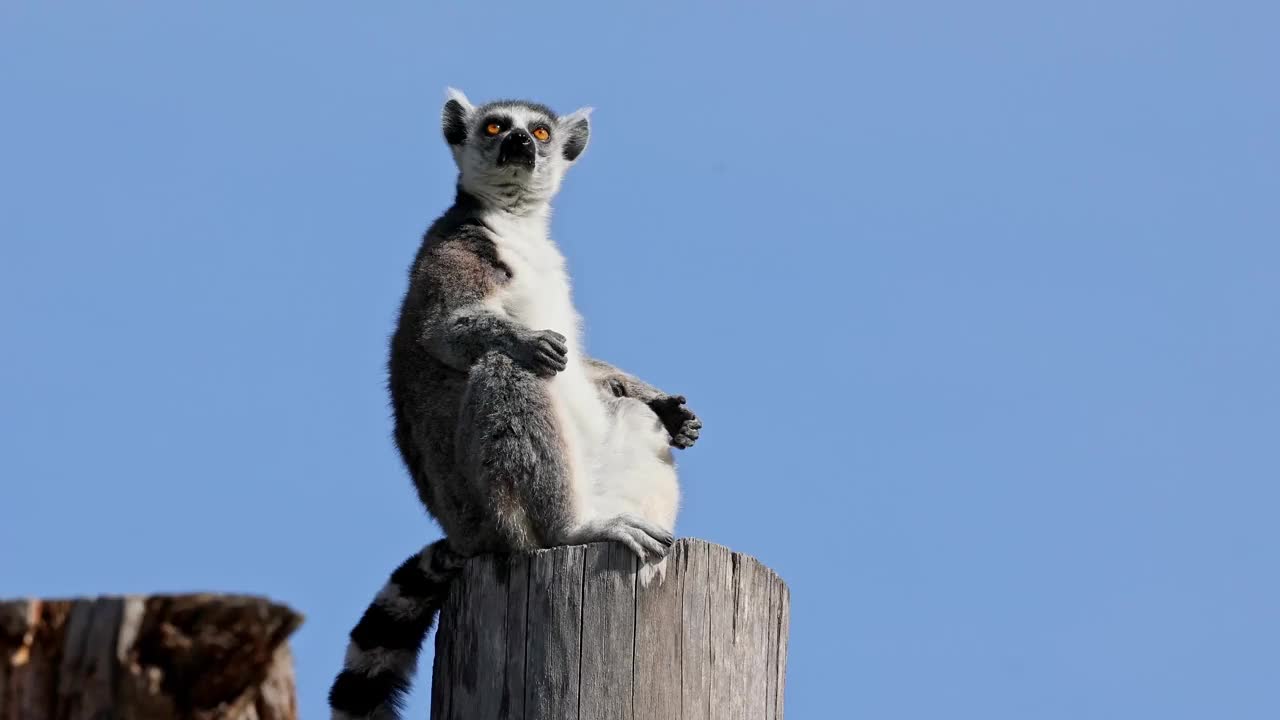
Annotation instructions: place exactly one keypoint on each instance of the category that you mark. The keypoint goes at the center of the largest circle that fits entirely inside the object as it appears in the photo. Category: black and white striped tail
(383, 652)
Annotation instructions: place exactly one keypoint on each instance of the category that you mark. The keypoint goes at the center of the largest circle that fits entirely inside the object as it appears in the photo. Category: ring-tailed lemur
(515, 439)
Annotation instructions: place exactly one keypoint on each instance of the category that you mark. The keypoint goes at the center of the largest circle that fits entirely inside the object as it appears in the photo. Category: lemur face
(512, 153)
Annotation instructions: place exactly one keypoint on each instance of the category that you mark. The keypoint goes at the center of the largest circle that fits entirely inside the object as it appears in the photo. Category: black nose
(517, 147)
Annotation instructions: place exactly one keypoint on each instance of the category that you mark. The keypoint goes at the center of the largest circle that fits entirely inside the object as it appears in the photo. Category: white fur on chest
(537, 295)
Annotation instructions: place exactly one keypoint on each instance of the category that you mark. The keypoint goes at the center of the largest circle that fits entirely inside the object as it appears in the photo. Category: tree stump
(582, 633)
(163, 657)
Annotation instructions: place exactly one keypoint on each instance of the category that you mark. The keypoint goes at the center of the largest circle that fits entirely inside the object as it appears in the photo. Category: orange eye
(542, 134)
(493, 128)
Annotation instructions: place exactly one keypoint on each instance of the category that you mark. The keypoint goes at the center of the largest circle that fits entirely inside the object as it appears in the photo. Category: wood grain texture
(608, 632)
(553, 635)
(203, 657)
(720, 588)
(695, 630)
(480, 639)
(512, 705)
(87, 673)
(657, 670)
(446, 624)
(587, 633)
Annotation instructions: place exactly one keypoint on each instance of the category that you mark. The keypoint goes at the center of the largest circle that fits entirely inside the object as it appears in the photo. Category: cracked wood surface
(586, 633)
(162, 657)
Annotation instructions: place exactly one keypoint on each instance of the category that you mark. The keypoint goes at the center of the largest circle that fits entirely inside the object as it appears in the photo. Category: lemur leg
(638, 474)
(512, 448)
(513, 454)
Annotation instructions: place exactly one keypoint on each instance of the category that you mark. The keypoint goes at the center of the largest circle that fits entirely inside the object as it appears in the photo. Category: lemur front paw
(682, 425)
(542, 351)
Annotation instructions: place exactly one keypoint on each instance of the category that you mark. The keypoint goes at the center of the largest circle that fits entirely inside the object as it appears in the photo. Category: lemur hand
(681, 423)
(542, 351)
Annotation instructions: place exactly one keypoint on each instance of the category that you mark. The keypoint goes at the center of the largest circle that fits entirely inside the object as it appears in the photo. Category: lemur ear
(457, 110)
(576, 128)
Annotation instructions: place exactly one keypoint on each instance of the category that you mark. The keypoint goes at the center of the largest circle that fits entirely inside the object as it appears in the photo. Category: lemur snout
(517, 148)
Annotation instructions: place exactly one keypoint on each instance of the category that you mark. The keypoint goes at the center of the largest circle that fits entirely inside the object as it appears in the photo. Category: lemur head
(512, 153)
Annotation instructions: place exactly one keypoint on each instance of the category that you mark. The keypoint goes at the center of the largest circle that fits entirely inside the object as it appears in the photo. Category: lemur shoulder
(514, 437)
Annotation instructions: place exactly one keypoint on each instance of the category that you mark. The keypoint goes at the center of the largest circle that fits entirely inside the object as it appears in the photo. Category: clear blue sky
(980, 303)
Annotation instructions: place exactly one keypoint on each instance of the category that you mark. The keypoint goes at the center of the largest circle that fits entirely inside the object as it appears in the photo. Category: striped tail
(383, 652)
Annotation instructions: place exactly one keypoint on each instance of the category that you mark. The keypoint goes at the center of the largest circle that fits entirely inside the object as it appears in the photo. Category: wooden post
(163, 657)
(583, 633)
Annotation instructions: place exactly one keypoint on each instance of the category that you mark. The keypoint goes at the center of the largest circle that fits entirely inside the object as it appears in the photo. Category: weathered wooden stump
(582, 633)
(164, 657)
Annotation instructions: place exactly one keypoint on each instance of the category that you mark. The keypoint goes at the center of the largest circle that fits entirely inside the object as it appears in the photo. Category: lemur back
(515, 439)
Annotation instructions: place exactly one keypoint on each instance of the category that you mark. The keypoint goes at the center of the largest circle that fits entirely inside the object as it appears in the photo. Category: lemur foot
(681, 424)
(542, 351)
(646, 540)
